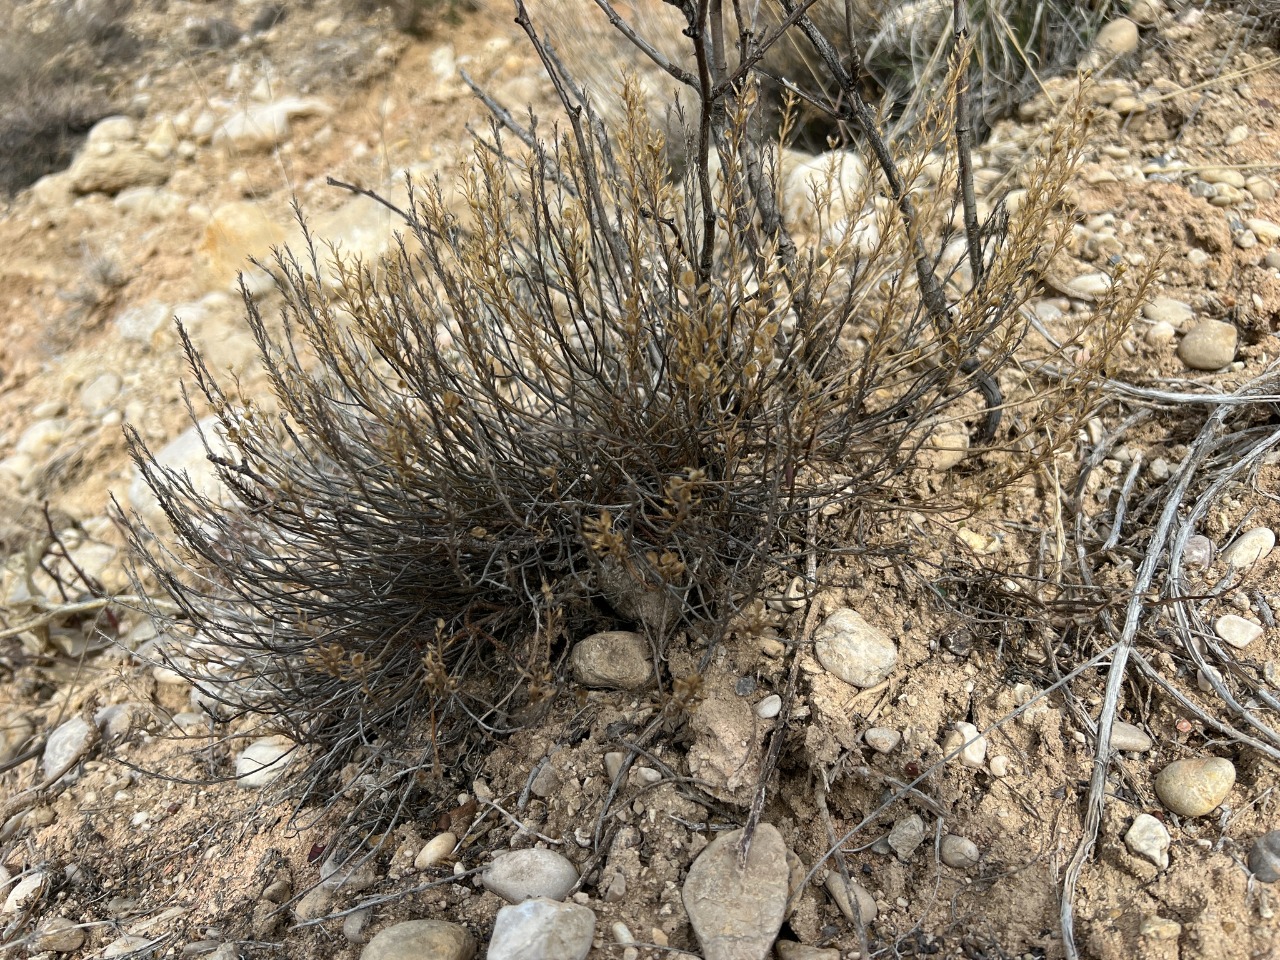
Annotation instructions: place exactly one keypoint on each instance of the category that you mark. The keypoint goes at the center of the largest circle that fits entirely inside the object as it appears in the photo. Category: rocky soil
(137, 824)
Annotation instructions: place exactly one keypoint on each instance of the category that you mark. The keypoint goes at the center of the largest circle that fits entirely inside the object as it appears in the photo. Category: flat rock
(526, 874)
(1236, 630)
(64, 743)
(540, 929)
(266, 125)
(613, 660)
(117, 168)
(853, 650)
(184, 455)
(421, 940)
(1149, 839)
(1176, 313)
(1127, 737)
(1192, 788)
(1264, 857)
(1250, 547)
(262, 761)
(790, 950)
(907, 834)
(736, 912)
(1209, 345)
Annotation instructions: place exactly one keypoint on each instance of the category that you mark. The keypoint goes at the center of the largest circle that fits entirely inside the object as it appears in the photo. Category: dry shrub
(52, 62)
(609, 394)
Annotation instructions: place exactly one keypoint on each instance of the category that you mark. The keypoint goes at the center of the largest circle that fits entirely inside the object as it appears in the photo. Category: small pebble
(1198, 552)
(882, 739)
(975, 746)
(853, 650)
(1264, 857)
(1267, 231)
(1250, 547)
(1209, 345)
(1149, 839)
(790, 950)
(435, 850)
(262, 761)
(1192, 788)
(959, 852)
(524, 874)
(999, 766)
(769, 707)
(63, 744)
(1127, 737)
(539, 929)
(907, 834)
(836, 889)
(1236, 630)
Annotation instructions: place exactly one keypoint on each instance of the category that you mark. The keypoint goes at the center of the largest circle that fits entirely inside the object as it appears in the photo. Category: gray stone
(1250, 547)
(1209, 345)
(421, 940)
(1192, 788)
(58, 935)
(185, 454)
(64, 743)
(614, 660)
(735, 911)
(524, 874)
(97, 396)
(769, 707)
(541, 929)
(907, 834)
(354, 924)
(1127, 737)
(959, 852)
(1264, 857)
(836, 890)
(855, 651)
(1149, 839)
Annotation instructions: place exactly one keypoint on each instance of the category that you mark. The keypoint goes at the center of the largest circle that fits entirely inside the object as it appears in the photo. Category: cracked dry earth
(149, 846)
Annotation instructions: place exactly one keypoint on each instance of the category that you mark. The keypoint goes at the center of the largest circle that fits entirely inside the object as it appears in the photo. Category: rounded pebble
(526, 874)
(59, 935)
(540, 928)
(965, 737)
(866, 902)
(1192, 788)
(882, 739)
(1149, 839)
(416, 939)
(1209, 345)
(1250, 547)
(1127, 737)
(613, 660)
(435, 850)
(855, 651)
(959, 852)
(262, 761)
(1236, 630)
(1264, 857)
(1170, 311)
(769, 707)
(999, 766)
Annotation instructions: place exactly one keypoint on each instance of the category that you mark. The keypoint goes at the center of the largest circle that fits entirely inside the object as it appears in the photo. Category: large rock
(184, 455)
(540, 929)
(421, 940)
(110, 168)
(736, 911)
(266, 125)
